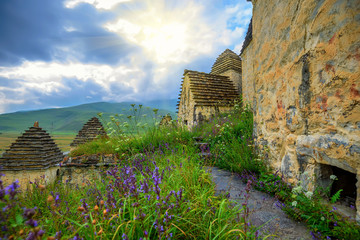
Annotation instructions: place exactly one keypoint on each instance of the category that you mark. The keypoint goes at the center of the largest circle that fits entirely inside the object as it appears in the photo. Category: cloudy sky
(57, 53)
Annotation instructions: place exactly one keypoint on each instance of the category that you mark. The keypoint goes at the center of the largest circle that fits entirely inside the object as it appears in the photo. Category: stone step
(200, 144)
(197, 138)
(205, 154)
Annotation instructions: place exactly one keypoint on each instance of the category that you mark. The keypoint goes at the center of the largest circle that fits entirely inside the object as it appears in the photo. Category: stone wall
(25, 176)
(248, 78)
(235, 77)
(80, 175)
(302, 67)
(85, 169)
(187, 104)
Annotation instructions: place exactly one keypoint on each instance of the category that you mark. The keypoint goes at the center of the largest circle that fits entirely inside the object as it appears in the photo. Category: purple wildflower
(11, 189)
(32, 223)
(29, 213)
(124, 237)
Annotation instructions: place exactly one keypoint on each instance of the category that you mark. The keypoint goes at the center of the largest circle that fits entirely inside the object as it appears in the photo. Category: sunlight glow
(166, 35)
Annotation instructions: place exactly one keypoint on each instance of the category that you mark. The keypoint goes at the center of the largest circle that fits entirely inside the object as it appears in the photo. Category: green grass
(230, 140)
(6, 139)
(161, 193)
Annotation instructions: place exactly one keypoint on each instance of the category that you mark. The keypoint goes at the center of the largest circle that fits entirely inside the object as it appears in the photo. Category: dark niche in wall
(347, 182)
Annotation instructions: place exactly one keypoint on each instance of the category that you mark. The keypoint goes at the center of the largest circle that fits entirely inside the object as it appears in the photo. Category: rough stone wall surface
(248, 78)
(208, 112)
(80, 175)
(25, 176)
(235, 77)
(304, 64)
(187, 104)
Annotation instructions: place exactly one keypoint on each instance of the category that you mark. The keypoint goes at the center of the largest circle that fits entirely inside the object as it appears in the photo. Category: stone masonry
(301, 75)
(229, 64)
(34, 150)
(89, 132)
(204, 95)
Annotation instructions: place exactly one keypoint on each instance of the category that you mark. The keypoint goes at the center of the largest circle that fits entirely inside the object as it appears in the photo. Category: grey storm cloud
(39, 30)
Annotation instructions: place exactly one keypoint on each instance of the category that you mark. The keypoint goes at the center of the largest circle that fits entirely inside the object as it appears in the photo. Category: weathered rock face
(301, 73)
(89, 132)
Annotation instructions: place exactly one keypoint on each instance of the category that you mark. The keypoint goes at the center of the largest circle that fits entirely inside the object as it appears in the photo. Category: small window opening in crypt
(347, 182)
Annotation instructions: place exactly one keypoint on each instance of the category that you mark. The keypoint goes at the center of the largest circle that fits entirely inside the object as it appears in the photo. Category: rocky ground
(264, 210)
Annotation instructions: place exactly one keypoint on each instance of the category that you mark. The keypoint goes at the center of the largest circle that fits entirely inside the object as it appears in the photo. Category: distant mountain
(169, 105)
(71, 119)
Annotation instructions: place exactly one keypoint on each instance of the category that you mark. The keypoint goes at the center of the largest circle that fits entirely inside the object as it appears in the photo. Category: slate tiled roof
(35, 149)
(211, 89)
(226, 61)
(89, 132)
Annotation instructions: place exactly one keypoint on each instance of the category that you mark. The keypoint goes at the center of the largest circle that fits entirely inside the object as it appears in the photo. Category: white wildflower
(297, 189)
(294, 203)
(309, 194)
(333, 177)
(322, 219)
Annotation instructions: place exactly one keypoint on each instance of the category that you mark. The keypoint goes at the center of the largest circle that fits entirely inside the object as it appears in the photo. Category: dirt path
(263, 208)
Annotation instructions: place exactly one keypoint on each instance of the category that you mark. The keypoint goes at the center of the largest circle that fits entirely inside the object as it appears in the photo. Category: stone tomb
(32, 155)
(166, 120)
(229, 64)
(204, 95)
(89, 132)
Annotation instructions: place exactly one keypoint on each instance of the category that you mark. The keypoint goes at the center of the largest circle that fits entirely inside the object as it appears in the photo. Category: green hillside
(71, 119)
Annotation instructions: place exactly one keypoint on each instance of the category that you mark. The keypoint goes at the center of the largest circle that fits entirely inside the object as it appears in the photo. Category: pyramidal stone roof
(34, 150)
(226, 61)
(210, 89)
(89, 132)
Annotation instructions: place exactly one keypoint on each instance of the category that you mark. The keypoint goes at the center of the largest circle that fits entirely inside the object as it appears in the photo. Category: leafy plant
(336, 196)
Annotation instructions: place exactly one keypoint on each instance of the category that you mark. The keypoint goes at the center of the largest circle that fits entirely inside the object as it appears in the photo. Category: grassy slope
(161, 193)
(69, 119)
